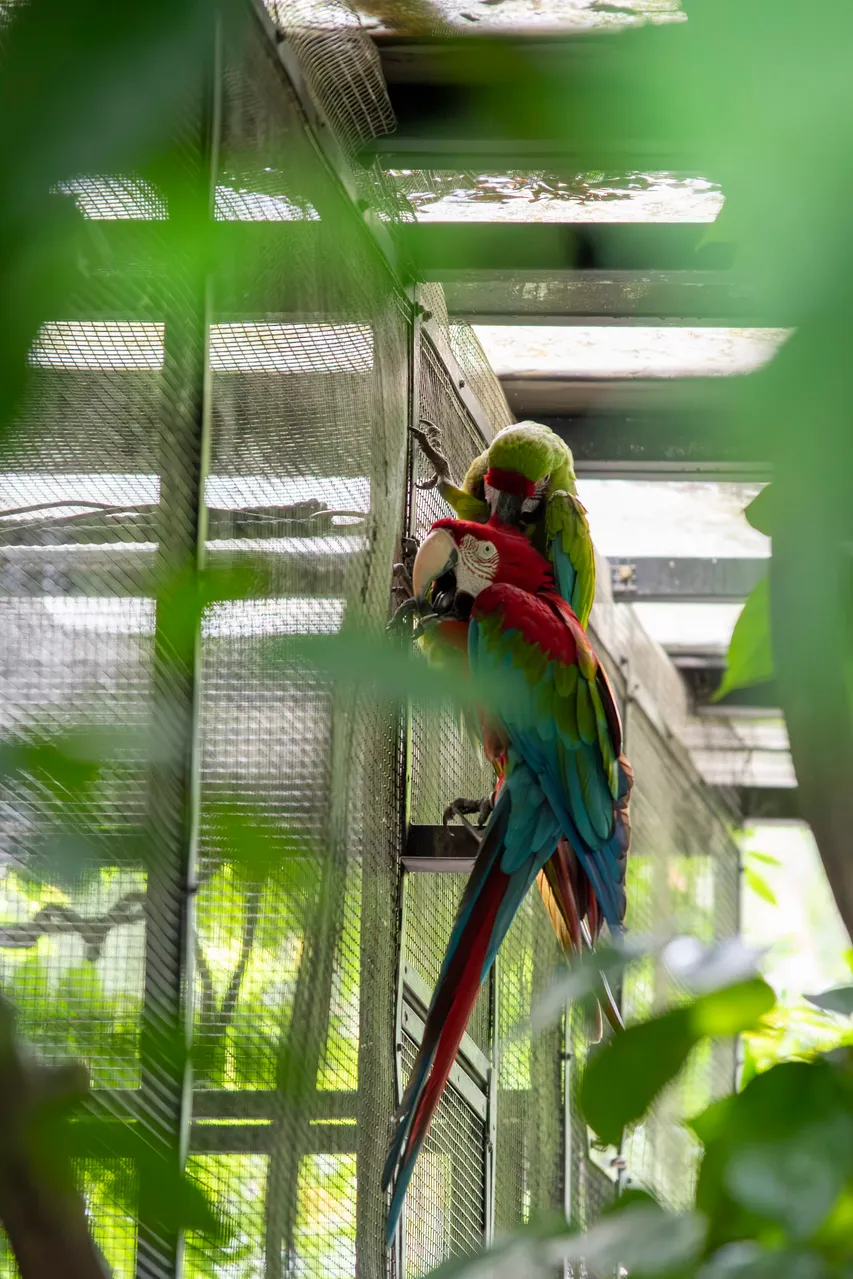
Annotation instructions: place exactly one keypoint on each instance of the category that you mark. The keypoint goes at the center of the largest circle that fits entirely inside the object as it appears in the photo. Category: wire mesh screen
(309, 358)
(682, 877)
(445, 1209)
(430, 903)
(86, 850)
(469, 355)
(310, 419)
(446, 763)
(529, 1158)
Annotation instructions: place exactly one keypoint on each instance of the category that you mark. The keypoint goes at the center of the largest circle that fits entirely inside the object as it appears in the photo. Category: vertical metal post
(492, 1102)
(405, 763)
(173, 799)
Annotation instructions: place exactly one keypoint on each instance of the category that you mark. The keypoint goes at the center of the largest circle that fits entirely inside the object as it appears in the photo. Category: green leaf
(644, 1239)
(641, 1237)
(765, 858)
(759, 885)
(795, 1182)
(623, 1079)
(713, 1121)
(750, 657)
(762, 510)
(838, 1000)
(779, 1154)
(174, 1199)
(731, 1011)
(748, 1260)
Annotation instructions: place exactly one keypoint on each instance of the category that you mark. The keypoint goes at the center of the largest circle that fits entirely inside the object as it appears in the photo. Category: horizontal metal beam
(468, 57)
(665, 446)
(769, 803)
(332, 1131)
(133, 263)
(439, 250)
(702, 672)
(652, 428)
(624, 298)
(682, 580)
(571, 107)
(709, 397)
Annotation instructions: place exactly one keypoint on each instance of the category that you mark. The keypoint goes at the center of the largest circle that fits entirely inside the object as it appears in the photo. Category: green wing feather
(566, 530)
(555, 718)
(469, 502)
(465, 506)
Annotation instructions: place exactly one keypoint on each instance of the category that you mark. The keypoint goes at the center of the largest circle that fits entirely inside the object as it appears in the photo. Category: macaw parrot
(526, 478)
(550, 714)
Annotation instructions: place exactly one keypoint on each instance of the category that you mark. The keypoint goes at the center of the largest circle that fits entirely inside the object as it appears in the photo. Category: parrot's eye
(489, 550)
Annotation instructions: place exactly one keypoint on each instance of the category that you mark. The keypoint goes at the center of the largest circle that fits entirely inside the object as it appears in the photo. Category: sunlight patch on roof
(599, 351)
(544, 15)
(539, 197)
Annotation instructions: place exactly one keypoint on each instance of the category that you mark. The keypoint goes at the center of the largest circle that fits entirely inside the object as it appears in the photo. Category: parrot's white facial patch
(477, 565)
(531, 503)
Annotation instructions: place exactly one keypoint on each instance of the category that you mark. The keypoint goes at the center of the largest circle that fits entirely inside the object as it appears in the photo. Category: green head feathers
(534, 451)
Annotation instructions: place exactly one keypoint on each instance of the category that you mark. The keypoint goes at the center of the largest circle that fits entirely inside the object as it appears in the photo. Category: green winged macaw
(548, 711)
(526, 478)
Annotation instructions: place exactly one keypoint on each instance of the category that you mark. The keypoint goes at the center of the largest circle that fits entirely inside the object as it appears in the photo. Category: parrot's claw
(430, 442)
(462, 807)
(400, 618)
(402, 580)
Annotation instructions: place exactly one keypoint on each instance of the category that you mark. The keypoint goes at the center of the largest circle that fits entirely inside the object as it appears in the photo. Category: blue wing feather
(565, 574)
(571, 772)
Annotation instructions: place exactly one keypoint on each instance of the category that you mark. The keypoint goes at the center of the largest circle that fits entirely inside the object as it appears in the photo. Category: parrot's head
(525, 463)
(460, 558)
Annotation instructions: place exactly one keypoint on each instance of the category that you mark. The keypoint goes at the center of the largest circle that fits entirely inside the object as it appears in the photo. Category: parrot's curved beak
(436, 555)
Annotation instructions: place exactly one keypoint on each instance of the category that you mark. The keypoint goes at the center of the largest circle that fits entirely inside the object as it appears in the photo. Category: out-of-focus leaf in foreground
(580, 979)
(750, 1261)
(778, 1155)
(79, 94)
(622, 1080)
(641, 1238)
(358, 658)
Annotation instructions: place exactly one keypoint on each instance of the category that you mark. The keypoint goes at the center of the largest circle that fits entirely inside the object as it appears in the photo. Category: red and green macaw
(550, 716)
(526, 479)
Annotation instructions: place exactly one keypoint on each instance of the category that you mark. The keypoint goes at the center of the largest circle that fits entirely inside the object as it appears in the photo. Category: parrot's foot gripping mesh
(431, 445)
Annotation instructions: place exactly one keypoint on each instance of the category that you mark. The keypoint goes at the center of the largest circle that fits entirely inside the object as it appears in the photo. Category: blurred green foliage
(751, 94)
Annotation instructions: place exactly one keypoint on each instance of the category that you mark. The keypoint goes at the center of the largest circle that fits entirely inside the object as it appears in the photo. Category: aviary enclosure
(253, 418)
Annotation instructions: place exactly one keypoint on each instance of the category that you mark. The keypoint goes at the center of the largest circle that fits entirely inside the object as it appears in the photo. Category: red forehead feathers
(509, 482)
